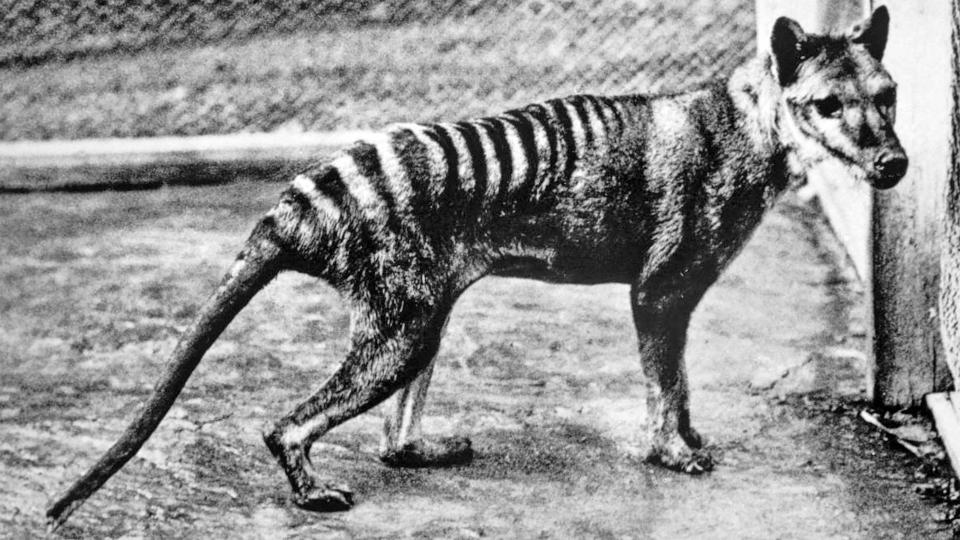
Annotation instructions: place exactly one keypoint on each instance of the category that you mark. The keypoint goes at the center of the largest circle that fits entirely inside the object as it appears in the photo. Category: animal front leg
(403, 443)
(661, 331)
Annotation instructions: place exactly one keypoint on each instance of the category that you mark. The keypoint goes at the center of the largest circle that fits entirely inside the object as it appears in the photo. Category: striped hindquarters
(441, 181)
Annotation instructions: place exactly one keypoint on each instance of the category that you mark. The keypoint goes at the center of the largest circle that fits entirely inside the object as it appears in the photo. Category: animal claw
(677, 455)
(699, 463)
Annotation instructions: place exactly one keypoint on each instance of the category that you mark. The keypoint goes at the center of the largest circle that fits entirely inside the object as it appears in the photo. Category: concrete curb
(98, 164)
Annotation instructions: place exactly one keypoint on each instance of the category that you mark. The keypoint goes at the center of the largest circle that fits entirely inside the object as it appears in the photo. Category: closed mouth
(884, 181)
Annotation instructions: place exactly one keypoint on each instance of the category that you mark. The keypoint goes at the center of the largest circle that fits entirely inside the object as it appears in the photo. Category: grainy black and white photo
(479, 269)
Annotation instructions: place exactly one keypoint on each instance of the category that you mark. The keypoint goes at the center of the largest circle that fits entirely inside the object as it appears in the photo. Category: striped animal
(659, 192)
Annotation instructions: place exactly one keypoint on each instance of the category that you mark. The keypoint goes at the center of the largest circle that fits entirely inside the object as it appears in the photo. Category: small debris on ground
(934, 477)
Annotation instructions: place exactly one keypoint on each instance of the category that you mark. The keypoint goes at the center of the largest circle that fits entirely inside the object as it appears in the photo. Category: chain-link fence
(93, 68)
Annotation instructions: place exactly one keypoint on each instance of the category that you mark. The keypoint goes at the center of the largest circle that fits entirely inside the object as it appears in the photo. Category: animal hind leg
(403, 443)
(382, 359)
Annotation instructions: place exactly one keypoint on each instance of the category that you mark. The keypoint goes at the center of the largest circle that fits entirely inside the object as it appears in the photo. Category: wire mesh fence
(94, 68)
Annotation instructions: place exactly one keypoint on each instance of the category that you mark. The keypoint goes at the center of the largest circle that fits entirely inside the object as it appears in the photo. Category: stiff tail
(257, 265)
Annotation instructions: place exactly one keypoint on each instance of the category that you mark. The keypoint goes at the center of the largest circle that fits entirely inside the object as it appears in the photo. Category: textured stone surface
(544, 378)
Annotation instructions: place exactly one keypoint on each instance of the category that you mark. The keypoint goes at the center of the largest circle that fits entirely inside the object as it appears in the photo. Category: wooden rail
(945, 408)
(138, 163)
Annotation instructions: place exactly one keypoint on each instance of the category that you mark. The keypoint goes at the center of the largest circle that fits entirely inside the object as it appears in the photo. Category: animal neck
(756, 96)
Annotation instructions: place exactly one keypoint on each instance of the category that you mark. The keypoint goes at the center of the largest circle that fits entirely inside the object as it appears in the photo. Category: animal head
(837, 102)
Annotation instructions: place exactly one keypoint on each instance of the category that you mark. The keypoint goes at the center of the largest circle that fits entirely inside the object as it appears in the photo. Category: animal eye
(829, 107)
(886, 98)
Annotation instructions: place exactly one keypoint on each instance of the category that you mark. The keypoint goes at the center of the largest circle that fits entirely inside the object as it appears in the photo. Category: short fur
(659, 192)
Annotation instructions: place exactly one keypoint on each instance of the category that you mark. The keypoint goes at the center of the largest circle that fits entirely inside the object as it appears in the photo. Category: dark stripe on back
(415, 162)
(538, 113)
(478, 159)
(330, 184)
(367, 159)
(608, 105)
(529, 143)
(446, 216)
(594, 103)
(450, 157)
(297, 199)
(632, 108)
(496, 130)
(579, 106)
(572, 151)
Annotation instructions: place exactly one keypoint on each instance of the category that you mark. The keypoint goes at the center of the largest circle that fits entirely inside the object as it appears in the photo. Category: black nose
(891, 164)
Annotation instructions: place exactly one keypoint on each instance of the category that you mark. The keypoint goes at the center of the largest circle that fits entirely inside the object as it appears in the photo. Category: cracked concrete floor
(544, 378)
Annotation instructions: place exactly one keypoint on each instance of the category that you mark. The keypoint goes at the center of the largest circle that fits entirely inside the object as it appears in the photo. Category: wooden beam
(135, 163)
(946, 416)
(906, 220)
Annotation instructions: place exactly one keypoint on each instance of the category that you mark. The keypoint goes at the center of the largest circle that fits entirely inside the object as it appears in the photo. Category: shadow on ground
(97, 287)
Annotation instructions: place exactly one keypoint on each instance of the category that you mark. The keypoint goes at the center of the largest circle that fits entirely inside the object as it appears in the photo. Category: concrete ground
(96, 288)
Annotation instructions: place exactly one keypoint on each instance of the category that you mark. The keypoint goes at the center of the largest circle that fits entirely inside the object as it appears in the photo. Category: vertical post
(906, 220)
(950, 247)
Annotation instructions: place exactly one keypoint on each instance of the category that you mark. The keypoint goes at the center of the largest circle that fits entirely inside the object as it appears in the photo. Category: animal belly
(569, 255)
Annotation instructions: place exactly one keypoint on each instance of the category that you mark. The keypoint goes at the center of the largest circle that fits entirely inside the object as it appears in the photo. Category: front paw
(675, 454)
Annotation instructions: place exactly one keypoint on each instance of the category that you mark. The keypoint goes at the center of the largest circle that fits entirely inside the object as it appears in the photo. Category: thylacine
(659, 192)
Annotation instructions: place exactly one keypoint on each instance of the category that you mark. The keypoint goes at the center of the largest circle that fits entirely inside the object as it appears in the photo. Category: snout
(889, 167)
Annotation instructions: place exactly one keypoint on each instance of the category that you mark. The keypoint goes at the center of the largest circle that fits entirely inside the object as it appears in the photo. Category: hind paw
(426, 453)
(325, 499)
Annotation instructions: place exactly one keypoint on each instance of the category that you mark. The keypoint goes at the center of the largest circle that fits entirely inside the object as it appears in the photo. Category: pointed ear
(787, 44)
(872, 32)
